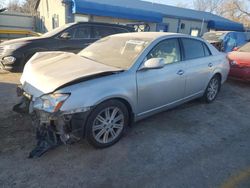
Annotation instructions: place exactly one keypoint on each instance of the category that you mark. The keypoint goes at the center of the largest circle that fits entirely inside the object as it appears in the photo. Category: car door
(160, 87)
(199, 64)
(79, 38)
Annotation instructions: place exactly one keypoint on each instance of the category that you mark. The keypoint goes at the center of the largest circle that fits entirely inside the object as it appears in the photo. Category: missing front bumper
(47, 139)
(52, 129)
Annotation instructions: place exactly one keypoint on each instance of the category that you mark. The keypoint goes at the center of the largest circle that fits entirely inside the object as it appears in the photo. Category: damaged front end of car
(53, 127)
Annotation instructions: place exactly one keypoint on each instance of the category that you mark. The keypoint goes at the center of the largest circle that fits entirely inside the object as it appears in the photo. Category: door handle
(180, 72)
(210, 65)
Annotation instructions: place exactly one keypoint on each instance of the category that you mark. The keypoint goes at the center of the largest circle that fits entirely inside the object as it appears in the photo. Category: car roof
(105, 24)
(150, 35)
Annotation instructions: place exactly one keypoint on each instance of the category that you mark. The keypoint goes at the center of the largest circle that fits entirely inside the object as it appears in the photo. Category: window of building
(193, 49)
(195, 32)
(55, 21)
(47, 5)
(42, 24)
(182, 26)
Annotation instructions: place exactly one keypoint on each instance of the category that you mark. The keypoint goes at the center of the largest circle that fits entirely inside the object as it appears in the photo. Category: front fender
(91, 93)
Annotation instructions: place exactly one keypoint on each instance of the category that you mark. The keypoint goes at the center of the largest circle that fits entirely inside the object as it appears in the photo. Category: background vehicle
(13, 34)
(226, 41)
(117, 80)
(71, 38)
(240, 63)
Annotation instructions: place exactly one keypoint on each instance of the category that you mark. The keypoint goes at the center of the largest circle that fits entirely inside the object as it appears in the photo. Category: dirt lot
(195, 145)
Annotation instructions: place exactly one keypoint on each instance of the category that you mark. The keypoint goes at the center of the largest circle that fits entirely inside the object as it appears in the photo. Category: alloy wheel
(108, 125)
(213, 89)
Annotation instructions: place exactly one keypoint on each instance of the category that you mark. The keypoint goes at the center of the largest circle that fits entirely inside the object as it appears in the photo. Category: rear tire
(213, 89)
(107, 123)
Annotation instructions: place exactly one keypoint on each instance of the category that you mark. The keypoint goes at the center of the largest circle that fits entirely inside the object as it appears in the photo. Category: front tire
(107, 123)
(213, 89)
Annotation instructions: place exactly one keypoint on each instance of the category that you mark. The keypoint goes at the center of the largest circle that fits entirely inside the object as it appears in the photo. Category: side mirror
(153, 63)
(65, 35)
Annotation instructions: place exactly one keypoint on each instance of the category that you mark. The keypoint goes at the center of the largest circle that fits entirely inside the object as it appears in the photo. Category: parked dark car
(71, 37)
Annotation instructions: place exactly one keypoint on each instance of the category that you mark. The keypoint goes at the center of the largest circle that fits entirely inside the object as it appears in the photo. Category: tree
(29, 7)
(235, 10)
(242, 7)
(207, 5)
(14, 6)
(2, 4)
(183, 5)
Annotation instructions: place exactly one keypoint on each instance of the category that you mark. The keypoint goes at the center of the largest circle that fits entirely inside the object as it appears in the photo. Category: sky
(168, 2)
(172, 2)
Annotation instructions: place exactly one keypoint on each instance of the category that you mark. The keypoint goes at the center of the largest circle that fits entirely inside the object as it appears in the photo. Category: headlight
(52, 102)
(9, 60)
(13, 46)
(233, 63)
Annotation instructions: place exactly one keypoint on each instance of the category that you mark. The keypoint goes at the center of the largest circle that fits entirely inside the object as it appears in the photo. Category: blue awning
(99, 9)
(225, 26)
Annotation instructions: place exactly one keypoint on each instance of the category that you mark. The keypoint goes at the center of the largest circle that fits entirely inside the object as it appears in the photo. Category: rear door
(199, 65)
(80, 38)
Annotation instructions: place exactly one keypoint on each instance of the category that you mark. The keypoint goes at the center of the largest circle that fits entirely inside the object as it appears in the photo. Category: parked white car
(115, 81)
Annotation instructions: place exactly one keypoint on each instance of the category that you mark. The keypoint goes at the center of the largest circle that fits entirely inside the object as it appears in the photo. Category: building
(17, 21)
(145, 15)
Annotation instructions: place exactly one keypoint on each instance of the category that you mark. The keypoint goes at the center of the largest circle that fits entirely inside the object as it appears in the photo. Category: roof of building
(147, 11)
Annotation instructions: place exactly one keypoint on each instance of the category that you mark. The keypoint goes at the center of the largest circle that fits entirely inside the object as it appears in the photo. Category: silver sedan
(118, 80)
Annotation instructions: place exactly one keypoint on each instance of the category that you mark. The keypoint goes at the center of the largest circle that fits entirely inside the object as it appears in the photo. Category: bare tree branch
(237, 4)
(207, 5)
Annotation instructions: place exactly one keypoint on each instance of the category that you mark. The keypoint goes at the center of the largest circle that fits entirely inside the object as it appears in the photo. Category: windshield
(214, 36)
(245, 48)
(57, 30)
(116, 51)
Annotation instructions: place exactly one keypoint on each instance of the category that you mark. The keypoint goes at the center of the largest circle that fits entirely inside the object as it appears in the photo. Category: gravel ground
(194, 145)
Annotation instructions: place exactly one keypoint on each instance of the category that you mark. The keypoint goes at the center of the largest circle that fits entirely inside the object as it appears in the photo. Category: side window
(206, 50)
(83, 32)
(102, 31)
(120, 30)
(169, 50)
(193, 49)
(71, 32)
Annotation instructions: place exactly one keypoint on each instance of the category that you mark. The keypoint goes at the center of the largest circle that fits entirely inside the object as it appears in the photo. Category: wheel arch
(126, 102)
(218, 74)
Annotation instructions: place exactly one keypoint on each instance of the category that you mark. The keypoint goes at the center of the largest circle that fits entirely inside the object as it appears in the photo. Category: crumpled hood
(47, 71)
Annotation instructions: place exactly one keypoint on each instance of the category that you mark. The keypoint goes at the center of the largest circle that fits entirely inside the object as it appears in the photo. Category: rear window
(102, 31)
(120, 30)
(193, 49)
(214, 36)
(206, 50)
